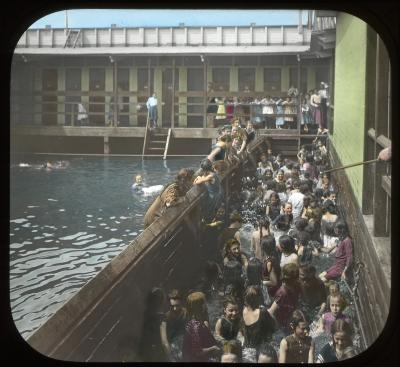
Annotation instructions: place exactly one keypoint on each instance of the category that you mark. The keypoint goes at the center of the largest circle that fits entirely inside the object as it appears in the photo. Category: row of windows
(195, 79)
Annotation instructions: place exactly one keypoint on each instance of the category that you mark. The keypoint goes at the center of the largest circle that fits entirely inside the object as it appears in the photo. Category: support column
(61, 99)
(182, 100)
(380, 204)
(234, 79)
(133, 99)
(106, 145)
(259, 79)
(285, 78)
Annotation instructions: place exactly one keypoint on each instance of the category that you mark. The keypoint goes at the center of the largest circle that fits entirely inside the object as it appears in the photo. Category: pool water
(66, 224)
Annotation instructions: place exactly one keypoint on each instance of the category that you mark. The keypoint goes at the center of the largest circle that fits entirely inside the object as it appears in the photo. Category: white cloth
(152, 101)
(296, 199)
(82, 114)
(292, 258)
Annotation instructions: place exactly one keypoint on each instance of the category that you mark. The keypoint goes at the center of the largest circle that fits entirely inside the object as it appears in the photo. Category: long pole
(352, 165)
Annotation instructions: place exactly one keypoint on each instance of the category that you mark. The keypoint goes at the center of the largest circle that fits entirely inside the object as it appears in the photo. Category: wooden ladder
(155, 142)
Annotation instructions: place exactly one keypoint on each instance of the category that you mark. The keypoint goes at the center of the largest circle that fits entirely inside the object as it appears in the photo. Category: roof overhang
(175, 50)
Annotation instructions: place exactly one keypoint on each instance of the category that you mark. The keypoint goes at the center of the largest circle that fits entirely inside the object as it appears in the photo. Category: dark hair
(174, 294)
(268, 350)
(297, 317)
(264, 222)
(303, 238)
(235, 217)
(340, 325)
(229, 300)
(254, 271)
(252, 296)
(287, 243)
(301, 224)
(296, 184)
(342, 229)
(270, 185)
(329, 206)
(309, 271)
(290, 273)
(206, 165)
(268, 246)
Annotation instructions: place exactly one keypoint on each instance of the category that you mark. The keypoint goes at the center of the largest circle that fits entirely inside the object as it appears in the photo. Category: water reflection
(66, 225)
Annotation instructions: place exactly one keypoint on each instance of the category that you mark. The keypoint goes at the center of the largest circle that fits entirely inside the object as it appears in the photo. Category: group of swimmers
(272, 296)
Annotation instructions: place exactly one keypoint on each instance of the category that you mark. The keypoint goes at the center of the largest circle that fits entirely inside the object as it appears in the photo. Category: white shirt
(296, 199)
(152, 101)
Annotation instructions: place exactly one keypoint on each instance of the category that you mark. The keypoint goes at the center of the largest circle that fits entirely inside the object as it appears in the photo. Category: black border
(18, 15)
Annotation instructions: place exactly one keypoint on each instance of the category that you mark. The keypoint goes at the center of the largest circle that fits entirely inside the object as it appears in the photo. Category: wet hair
(268, 246)
(290, 273)
(229, 244)
(235, 217)
(297, 317)
(252, 296)
(229, 300)
(275, 195)
(301, 224)
(308, 270)
(233, 347)
(343, 230)
(206, 165)
(303, 238)
(287, 243)
(269, 351)
(174, 294)
(303, 187)
(195, 302)
(329, 206)
(264, 222)
(341, 325)
(296, 184)
(270, 185)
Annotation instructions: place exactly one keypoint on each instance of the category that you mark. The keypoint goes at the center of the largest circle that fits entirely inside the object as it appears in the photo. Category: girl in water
(341, 345)
(228, 325)
(299, 346)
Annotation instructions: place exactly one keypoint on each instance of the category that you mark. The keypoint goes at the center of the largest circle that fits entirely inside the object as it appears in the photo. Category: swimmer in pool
(137, 186)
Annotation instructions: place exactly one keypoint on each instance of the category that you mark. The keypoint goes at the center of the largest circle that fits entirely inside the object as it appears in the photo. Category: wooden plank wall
(373, 290)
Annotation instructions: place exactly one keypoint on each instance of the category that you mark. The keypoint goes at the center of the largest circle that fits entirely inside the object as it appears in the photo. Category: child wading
(297, 347)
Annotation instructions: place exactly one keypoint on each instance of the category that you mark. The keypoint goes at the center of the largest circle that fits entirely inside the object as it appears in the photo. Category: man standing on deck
(152, 108)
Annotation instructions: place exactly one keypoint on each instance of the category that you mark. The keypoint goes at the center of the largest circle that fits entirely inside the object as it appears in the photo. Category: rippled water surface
(66, 225)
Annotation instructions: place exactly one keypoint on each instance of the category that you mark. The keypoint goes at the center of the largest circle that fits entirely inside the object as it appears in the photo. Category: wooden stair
(157, 143)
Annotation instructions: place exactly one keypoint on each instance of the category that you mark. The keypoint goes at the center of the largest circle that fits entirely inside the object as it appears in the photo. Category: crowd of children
(273, 303)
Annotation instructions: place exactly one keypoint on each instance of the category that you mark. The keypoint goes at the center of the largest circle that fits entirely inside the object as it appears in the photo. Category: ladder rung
(158, 141)
(151, 148)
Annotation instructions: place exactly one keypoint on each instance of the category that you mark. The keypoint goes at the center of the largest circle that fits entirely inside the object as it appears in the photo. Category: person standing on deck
(152, 108)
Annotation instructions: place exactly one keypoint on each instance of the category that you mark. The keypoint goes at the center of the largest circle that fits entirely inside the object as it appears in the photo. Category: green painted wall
(350, 89)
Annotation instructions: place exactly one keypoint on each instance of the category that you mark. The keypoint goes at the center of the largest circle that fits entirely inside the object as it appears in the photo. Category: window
(272, 79)
(303, 79)
(321, 75)
(195, 79)
(247, 79)
(96, 79)
(144, 84)
(73, 79)
(220, 78)
(123, 79)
